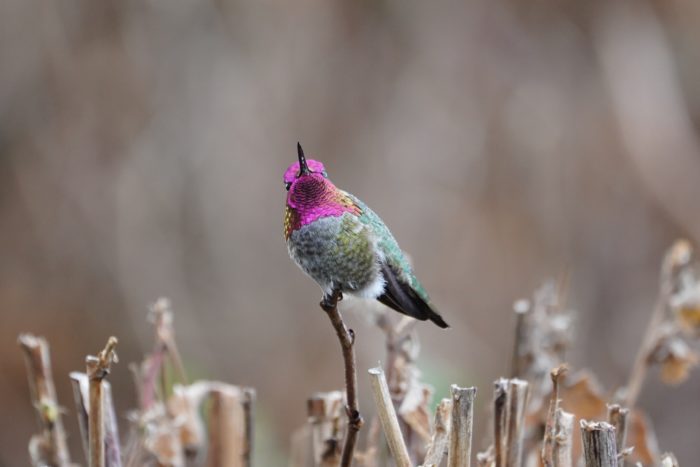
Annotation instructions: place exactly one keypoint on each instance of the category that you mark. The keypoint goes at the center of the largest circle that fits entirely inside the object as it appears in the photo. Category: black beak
(303, 168)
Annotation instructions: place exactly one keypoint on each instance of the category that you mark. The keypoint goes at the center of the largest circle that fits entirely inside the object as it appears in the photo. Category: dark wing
(401, 297)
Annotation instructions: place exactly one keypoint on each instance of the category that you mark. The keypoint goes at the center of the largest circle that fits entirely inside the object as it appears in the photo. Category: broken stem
(97, 370)
(460, 451)
(54, 450)
(599, 448)
(548, 445)
(388, 418)
(617, 417)
(441, 433)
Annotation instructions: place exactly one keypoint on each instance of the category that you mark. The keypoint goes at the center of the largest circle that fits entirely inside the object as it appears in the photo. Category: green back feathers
(389, 246)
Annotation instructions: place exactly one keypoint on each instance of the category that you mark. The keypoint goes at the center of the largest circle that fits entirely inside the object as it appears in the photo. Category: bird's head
(307, 182)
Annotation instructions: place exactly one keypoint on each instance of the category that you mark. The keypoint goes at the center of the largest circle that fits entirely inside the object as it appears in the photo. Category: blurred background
(142, 147)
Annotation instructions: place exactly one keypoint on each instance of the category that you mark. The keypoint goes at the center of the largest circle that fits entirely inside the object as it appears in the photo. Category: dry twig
(510, 400)
(347, 340)
(460, 451)
(97, 370)
(81, 395)
(324, 410)
(599, 445)
(48, 448)
(227, 432)
(441, 433)
(549, 442)
(387, 416)
(617, 417)
(564, 439)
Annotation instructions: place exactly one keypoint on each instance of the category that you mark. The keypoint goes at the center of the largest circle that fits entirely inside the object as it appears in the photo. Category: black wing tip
(437, 319)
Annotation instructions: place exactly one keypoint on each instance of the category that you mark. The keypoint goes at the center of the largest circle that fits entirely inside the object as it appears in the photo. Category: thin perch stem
(599, 446)
(347, 340)
(460, 451)
(52, 440)
(388, 419)
(97, 370)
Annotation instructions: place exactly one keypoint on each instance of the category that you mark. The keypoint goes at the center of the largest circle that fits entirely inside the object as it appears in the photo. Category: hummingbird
(339, 242)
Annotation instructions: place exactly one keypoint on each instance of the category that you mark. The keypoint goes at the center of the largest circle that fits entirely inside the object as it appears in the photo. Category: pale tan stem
(441, 434)
(227, 431)
(52, 448)
(460, 450)
(562, 455)
(388, 419)
(617, 417)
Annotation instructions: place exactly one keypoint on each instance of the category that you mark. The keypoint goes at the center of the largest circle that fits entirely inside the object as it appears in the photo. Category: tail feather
(401, 297)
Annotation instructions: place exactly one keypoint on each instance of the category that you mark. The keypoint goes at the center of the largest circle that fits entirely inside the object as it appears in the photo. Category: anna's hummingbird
(345, 247)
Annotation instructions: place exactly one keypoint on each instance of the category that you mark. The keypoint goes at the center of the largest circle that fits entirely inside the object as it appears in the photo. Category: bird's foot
(331, 301)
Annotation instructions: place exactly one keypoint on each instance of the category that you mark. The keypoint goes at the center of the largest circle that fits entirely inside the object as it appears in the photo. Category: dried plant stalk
(617, 417)
(550, 432)
(347, 343)
(227, 431)
(510, 400)
(81, 394)
(441, 434)
(324, 410)
(599, 444)
(460, 451)
(563, 440)
(641, 362)
(517, 403)
(500, 396)
(97, 370)
(49, 447)
(249, 425)
(387, 417)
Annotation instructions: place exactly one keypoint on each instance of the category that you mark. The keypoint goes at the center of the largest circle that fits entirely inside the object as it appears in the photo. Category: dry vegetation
(545, 413)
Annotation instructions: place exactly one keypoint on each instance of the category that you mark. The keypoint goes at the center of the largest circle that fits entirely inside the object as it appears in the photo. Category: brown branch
(441, 433)
(347, 339)
(548, 445)
(97, 370)
(388, 418)
(49, 447)
(460, 451)
(599, 445)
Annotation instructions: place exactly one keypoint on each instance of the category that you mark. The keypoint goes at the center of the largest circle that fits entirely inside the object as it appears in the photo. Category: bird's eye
(325, 175)
(287, 185)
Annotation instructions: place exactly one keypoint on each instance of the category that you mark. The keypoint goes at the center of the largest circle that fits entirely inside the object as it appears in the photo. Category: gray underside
(337, 252)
